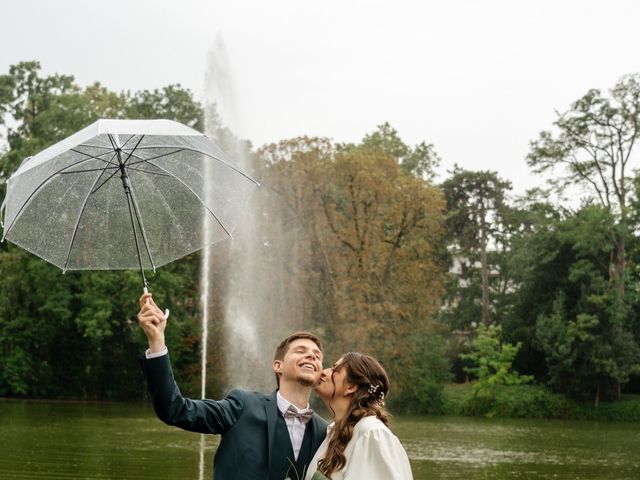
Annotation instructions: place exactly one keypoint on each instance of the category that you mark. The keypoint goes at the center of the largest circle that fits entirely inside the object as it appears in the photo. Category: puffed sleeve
(378, 455)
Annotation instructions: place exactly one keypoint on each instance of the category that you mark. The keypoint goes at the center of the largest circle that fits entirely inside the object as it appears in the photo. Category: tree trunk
(597, 399)
(621, 266)
(484, 272)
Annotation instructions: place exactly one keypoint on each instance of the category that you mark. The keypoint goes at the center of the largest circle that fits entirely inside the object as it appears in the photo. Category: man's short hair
(284, 346)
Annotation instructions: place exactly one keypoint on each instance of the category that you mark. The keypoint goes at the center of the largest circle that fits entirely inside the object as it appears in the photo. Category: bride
(359, 444)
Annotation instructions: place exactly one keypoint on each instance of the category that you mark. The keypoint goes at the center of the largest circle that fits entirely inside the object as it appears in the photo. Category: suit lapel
(317, 434)
(271, 409)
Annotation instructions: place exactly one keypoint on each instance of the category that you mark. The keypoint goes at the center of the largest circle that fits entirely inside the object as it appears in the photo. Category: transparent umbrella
(124, 194)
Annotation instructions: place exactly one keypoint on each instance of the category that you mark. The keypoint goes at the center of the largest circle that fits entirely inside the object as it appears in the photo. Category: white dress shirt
(148, 354)
(295, 425)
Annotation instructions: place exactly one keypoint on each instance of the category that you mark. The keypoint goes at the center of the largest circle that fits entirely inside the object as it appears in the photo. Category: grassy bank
(530, 401)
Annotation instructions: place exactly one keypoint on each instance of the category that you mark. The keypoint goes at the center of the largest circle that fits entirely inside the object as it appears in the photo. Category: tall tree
(366, 236)
(476, 206)
(594, 144)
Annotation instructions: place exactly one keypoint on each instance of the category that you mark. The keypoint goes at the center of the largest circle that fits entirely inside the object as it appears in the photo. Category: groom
(263, 436)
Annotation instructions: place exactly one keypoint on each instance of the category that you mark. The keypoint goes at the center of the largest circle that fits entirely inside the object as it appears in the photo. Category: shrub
(625, 410)
(514, 401)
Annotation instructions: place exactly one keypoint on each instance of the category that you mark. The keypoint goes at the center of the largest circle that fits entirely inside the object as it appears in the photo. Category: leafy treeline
(371, 254)
(560, 280)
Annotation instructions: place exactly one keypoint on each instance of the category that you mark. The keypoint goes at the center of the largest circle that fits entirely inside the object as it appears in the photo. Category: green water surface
(52, 440)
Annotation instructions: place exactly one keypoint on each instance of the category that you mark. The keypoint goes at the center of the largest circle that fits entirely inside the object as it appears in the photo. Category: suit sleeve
(202, 416)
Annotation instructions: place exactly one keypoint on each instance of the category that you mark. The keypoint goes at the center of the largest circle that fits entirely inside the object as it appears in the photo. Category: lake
(55, 440)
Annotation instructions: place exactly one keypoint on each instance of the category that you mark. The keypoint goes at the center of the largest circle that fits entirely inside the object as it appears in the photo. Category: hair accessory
(373, 392)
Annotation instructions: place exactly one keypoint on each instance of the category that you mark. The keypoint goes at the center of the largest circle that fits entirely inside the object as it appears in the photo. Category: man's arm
(204, 416)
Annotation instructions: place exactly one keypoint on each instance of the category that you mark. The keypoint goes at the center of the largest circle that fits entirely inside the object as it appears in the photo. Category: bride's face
(332, 379)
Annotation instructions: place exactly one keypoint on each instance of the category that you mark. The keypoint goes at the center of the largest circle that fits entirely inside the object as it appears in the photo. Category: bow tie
(304, 416)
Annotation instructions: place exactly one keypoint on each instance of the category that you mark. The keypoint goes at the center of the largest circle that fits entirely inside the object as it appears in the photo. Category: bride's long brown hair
(368, 375)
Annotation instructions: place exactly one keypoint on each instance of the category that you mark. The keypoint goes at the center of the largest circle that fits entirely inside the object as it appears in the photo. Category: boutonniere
(295, 472)
(316, 476)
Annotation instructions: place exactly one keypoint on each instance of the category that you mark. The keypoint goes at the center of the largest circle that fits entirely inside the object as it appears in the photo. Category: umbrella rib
(147, 171)
(75, 229)
(198, 197)
(208, 155)
(37, 189)
(134, 149)
(134, 201)
(153, 158)
(128, 139)
(88, 170)
(103, 183)
(109, 178)
(94, 157)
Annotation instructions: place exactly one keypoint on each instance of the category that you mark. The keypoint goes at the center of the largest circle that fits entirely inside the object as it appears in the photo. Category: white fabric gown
(373, 453)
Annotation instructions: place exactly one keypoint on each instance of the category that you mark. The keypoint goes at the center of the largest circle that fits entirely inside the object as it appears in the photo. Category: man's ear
(277, 366)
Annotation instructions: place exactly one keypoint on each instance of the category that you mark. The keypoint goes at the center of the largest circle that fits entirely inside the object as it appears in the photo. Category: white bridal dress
(373, 453)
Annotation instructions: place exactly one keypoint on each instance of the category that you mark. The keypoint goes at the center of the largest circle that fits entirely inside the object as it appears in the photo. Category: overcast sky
(478, 79)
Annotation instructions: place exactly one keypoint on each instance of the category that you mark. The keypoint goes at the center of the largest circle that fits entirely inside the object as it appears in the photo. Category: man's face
(302, 363)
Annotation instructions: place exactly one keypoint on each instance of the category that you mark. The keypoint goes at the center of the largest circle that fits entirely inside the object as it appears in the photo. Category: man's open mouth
(308, 366)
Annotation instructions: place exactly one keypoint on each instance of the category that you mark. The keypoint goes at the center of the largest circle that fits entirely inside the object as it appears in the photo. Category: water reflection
(462, 448)
(97, 441)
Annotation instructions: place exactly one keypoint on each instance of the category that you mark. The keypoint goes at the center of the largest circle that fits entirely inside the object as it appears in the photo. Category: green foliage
(625, 410)
(491, 361)
(419, 161)
(593, 146)
(592, 143)
(76, 335)
(584, 325)
(171, 102)
(534, 401)
(424, 378)
(514, 401)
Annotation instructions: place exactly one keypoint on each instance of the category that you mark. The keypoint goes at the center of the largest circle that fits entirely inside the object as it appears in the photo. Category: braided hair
(368, 375)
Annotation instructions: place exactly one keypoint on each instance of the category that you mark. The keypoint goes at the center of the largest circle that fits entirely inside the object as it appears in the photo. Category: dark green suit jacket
(246, 420)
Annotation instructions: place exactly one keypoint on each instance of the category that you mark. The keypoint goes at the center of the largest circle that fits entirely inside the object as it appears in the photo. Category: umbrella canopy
(123, 194)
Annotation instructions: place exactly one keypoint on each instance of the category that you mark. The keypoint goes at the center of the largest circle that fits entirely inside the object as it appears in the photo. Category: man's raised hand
(153, 323)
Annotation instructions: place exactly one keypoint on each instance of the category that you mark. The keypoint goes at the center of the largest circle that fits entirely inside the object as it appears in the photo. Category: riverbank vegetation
(530, 304)
(534, 401)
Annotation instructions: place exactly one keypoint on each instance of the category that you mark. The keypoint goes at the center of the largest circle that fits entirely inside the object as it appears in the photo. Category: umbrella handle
(166, 310)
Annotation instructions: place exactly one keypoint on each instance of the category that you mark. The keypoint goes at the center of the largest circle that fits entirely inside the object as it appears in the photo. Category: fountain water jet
(257, 300)
(244, 358)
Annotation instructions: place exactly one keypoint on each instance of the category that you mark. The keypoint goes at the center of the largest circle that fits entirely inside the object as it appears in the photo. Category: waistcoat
(283, 463)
